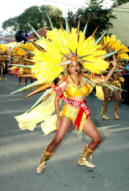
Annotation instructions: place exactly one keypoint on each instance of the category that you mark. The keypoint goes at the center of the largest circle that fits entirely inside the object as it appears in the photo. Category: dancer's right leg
(60, 133)
(117, 97)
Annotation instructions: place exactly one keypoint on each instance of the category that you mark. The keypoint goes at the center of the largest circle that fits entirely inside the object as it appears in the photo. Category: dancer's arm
(108, 76)
(57, 101)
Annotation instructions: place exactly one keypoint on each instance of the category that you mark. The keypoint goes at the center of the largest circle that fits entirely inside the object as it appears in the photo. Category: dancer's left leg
(117, 97)
(91, 130)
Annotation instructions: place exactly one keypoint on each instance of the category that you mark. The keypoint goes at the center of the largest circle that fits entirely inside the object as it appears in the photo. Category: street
(20, 151)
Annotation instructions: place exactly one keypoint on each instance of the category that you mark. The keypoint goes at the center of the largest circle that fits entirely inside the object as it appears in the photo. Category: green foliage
(37, 17)
(97, 17)
(31, 15)
(120, 2)
(10, 23)
(54, 14)
(34, 15)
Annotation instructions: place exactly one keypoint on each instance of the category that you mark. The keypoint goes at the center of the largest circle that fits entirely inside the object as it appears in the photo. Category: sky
(12, 8)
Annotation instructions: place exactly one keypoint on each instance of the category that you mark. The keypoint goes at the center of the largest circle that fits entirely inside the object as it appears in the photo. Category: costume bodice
(74, 90)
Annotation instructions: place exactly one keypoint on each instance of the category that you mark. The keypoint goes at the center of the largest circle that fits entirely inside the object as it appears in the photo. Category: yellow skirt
(72, 112)
(49, 125)
(43, 114)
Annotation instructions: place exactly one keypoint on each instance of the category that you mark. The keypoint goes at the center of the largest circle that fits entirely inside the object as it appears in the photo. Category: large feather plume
(60, 44)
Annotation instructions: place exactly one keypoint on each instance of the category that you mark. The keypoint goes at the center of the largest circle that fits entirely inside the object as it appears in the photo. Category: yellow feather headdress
(112, 44)
(59, 47)
(22, 56)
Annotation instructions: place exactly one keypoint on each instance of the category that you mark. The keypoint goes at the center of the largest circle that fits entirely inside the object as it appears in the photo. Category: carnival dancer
(4, 57)
(71, 53)
(111, 44)
(116, 80)
(22, 55)
(74, 111)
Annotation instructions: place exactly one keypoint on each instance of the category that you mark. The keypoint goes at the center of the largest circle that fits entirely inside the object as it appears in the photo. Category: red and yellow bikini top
(74, 90)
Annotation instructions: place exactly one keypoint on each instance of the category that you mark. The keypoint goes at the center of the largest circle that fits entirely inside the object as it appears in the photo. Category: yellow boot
(83, 160)
(104, 110)
(43, 161)
(116, 113)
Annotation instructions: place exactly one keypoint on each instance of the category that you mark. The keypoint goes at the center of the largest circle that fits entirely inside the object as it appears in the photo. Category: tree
(54, 14)
(10, 23)
(95, 15)
(120, 2)
(31, 15)
(34, 15)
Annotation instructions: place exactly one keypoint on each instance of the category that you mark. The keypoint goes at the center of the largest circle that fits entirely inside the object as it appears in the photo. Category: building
(121, 23)
(6, 39)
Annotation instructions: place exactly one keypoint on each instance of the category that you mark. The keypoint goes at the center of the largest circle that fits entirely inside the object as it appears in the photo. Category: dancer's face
(74, 68)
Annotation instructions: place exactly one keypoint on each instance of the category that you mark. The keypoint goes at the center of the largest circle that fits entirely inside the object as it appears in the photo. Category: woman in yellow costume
(111, 43)
(69, 52)
(76, 89)
(116, 80)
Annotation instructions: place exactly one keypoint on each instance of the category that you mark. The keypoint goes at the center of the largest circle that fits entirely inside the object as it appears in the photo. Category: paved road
(20, 151)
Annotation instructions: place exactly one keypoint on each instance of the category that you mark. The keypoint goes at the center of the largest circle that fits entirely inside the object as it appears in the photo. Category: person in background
(117, 81)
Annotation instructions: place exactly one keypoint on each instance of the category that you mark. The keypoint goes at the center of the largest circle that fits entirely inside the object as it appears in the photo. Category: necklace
(74, 81)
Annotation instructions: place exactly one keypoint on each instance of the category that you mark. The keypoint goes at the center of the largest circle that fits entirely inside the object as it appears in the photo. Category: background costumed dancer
(112, 44)
(4, 58)
(22, 54)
